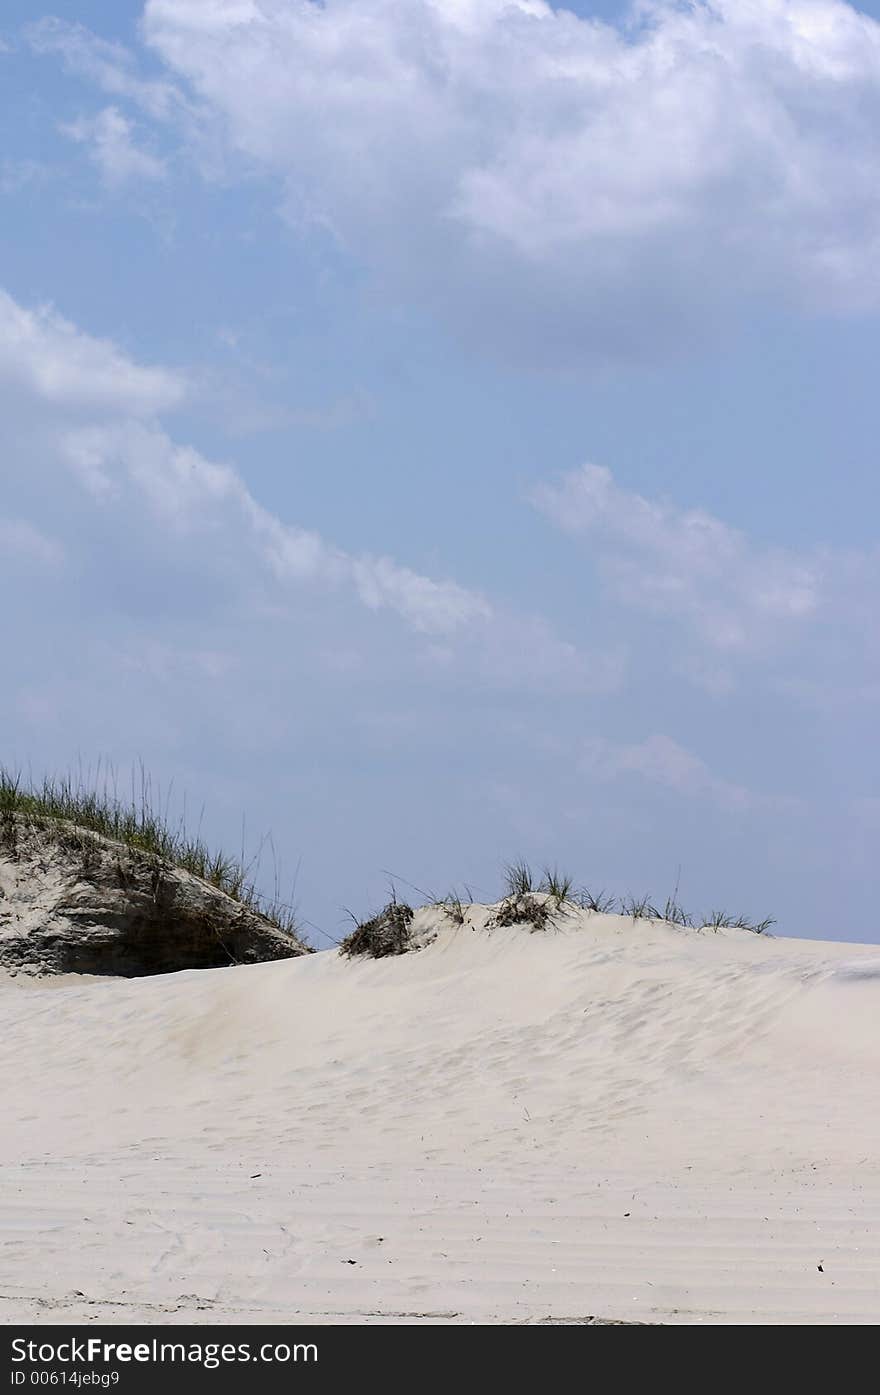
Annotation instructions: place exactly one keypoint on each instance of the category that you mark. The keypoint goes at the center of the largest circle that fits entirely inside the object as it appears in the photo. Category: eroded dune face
(74, 902)
(601, 1118)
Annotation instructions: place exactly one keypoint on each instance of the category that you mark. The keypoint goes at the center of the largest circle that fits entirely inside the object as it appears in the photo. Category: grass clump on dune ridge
(718, 920)
(454, 906)
(524, 910)
(526, 901)
(522, 888)
(141, 824)
(389, 932)
(537, 902)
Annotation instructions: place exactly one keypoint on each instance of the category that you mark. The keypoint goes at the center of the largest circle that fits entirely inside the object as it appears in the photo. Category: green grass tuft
(518, 880)
(719, 920)
(454, 907)
(673, 913)
(598, 901)
(559, 887)
(639, 908)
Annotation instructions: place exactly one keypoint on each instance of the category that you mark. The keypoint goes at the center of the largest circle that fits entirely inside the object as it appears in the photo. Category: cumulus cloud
(136, 464)
(49, 357)
(516, 165)
(121, 450)
(192, 496)
(22, 176)
(109, 139)
(20, 542)
(671, 561)
(660, 760)
(98, 418)
(109, 65)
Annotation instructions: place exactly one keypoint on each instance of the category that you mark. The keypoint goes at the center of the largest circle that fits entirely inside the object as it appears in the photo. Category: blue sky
(444, 430)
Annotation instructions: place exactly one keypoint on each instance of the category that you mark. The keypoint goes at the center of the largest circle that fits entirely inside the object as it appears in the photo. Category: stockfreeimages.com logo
(94, 1350)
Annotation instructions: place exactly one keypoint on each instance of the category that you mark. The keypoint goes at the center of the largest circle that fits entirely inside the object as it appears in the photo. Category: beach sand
(607, 1119)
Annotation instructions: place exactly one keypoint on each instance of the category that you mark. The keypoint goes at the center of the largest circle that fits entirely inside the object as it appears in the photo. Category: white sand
(625, 1121)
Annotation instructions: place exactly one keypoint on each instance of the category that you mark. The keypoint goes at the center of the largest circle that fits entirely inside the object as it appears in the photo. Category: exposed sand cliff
(72, 901)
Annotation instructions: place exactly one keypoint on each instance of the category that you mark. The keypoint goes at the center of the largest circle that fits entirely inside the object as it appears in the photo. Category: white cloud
(662, 761)
(429, 605)
(525, 653)
(110, 66)
(104, 428)
(21, 541)
(516, 164)
(156, 659)
(49, 357)
(18, 176)
(108, 137)
(192, 496)
(108, 435)
(684, 563)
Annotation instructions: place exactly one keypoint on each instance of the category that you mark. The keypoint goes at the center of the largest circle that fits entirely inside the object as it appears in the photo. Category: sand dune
(606, 1119)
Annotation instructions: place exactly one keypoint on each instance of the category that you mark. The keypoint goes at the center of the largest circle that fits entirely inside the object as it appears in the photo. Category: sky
(439, 432)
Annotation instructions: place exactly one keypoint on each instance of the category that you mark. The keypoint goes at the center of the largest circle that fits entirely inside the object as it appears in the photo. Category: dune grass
(520, 882)
(454, 907)
(142, 823)
(527, 900)
(518, 879)
(597, 901)
(719, 920)
(533, 900)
